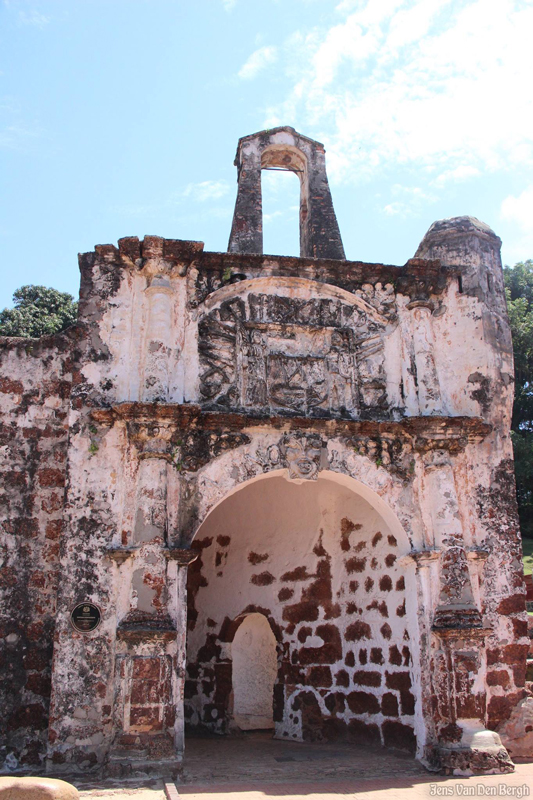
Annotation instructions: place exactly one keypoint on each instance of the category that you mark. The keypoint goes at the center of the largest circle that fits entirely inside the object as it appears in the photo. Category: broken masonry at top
(462, 241)
(286, 149)
(472, 246)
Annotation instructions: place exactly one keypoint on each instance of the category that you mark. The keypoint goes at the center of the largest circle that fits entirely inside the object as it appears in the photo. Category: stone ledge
(440, 430)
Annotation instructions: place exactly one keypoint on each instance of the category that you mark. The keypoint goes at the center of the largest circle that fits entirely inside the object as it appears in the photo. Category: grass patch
(527, 546)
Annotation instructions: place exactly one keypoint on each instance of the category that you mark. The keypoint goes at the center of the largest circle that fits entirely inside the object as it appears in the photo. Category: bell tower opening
(284, 149)
(281, 195)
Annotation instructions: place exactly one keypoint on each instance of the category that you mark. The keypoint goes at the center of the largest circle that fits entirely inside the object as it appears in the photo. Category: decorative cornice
(431, 432)
(420, 557)
(182, 556)
(121, 554)
(136, 635)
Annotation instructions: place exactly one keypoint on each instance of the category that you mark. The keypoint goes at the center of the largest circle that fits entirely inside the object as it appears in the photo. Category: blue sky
(121, 117)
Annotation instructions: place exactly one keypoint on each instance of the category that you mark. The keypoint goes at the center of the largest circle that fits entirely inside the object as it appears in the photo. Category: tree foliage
(38, 311)
(519, 289)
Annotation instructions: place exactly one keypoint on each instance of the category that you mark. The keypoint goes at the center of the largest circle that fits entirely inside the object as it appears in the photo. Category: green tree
(38, 311)
(519, 289)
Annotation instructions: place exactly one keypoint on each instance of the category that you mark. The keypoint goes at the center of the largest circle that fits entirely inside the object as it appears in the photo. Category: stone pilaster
(155, 386)
(428, 389)
(463, 745)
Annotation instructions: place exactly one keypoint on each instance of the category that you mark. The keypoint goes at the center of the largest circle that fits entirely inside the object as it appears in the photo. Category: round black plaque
(85, 617)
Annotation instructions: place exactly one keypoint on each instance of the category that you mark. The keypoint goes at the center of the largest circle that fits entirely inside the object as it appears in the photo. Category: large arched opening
(321, 562)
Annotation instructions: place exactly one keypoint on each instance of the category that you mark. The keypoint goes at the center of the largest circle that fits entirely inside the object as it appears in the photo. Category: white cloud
(33, 18)
(206, 190)
(267, 218)
(229, 5)
(432, 83)
(457, 175)
(519, 209)
(411, 200)
(259, 59)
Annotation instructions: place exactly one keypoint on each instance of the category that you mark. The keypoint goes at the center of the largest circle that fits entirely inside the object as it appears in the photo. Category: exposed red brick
(263, 579)
(519, 627)
(358, 630)
(335, 702)
(36, 659)
(285, 594)
(38, 684)
(385, 583)
(306, 611)
(376, 656)
(224, 541)
(342, 678)
(347, 526)
(355, 565)
(407, 703)
(519, 674)
(400, 584)
(389, 705)
(498, 677)
(31, 716)
(386, 631)
(390, 559)
(514, 653)
(51, 478)
(297, 574)
(319, 676)
(146, 667)
(304, 633)
(257, 558)
(331, 650)
(37, 579)
(54, 528)
(146, 718)
(145, 692)
(366, 678)
(512, 605)
(395, 657)
(362, 703)
(376, 538)
(398, 680)
(8, 386)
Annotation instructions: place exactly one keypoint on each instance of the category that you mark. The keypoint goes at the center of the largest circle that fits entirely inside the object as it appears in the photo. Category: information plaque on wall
(85, 617)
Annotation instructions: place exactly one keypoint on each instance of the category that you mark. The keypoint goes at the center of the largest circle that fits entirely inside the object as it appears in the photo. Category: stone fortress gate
(247, 491)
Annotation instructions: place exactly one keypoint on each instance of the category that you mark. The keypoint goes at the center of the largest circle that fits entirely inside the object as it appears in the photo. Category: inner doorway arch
(255, 667)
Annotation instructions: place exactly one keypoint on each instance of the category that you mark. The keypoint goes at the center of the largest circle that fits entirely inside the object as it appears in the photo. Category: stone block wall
(34, 400)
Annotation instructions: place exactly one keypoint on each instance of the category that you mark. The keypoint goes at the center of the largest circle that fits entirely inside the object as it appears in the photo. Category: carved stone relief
(279, 354)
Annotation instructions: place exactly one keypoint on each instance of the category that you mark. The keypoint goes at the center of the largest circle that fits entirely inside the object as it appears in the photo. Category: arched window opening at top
(281, 211)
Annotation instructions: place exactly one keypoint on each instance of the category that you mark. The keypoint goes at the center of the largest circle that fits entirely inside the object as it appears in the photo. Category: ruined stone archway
(324, 565)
